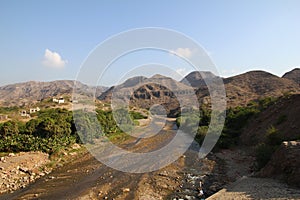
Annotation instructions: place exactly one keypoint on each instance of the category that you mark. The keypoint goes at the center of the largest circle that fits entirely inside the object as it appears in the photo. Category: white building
(33, 110)
(23, 113)
(59, 101)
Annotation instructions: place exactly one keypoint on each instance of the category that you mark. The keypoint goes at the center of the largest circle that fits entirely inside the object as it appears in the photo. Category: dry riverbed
(18, 170)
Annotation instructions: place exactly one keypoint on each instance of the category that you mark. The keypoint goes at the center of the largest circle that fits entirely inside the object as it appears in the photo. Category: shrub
(263, 153)
(273, 136)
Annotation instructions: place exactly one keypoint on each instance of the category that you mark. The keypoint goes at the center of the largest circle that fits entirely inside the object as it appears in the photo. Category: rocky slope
(293, 75)
(285, 163)
(144, 92)
(283, 116)
(243, 88)
(25, 93)
(198, 79)
(240, 89)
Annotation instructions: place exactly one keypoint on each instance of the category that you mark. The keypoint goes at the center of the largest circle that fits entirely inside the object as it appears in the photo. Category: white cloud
(53, 59)
(183, 52)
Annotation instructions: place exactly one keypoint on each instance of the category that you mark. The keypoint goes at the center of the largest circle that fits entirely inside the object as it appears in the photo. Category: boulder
(284, 164)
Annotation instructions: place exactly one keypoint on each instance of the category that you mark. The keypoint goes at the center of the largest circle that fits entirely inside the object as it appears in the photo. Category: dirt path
(87, 178)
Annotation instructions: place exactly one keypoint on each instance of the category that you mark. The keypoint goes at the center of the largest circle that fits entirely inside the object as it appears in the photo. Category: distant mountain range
(32, 91)
(240, 89)
(143, 91)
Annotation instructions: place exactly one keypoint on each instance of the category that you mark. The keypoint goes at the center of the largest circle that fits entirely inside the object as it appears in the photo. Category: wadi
(48, 137)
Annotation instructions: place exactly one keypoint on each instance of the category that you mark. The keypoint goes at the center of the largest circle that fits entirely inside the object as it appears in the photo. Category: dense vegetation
(50, 131)
(236, 119)
(54, 129)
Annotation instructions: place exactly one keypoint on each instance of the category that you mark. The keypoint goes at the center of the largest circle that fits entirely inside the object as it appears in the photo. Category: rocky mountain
(145, 92)
(243, 88)
(198, 79)
(24, 93)
(240, 89)
(150, 94)
(293, 75)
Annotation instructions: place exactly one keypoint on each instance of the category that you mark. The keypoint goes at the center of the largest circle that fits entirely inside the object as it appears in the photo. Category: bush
(263, 153)
(136, 115)
(53, 129)
(273, 136)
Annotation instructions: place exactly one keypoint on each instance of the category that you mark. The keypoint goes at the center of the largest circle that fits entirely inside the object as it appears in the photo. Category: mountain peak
(198, 78)
(159, 76)
(293, 75)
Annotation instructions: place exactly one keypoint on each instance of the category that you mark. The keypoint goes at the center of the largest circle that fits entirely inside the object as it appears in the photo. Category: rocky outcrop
(152, 94)
(284, 163)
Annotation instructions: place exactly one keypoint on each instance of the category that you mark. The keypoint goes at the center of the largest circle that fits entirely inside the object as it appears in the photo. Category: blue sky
(49, 40)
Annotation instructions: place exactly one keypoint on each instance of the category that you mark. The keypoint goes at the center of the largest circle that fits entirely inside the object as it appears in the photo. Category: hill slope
(145, 92)
(198, 79)
(293, 75)
(24, 93)
(283, 116)
(243, 88)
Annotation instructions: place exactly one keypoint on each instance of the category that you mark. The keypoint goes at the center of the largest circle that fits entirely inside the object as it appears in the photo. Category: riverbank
(18, 170)
(250, 188)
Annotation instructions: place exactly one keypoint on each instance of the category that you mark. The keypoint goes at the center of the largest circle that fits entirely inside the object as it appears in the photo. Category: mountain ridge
(240, 89)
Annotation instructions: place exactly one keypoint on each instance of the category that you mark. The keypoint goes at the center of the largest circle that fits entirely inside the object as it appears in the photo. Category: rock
(11, 155)
(163, 173)
(76, 146)
(42, 174)
(284, 164)
(126, 190)
(2, 158)
(73, 153)
(187, 197)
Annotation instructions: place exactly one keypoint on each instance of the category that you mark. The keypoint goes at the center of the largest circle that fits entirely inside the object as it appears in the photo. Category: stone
(42, 174)
(76, 146)
(126, 190)
(284, 164)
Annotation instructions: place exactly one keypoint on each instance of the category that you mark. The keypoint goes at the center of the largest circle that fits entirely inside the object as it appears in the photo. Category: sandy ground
(257, 188)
